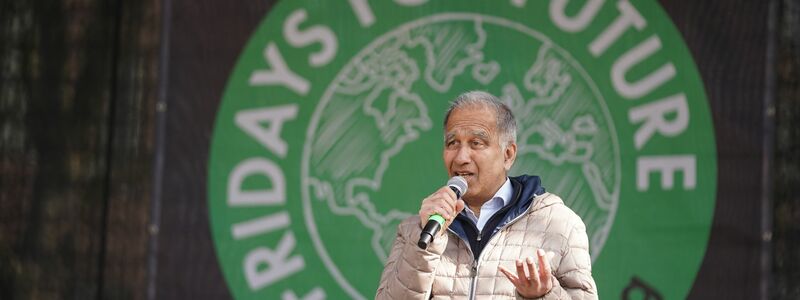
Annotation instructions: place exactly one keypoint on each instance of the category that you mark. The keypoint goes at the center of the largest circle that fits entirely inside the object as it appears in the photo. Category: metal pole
(768, 149)
(158, 162)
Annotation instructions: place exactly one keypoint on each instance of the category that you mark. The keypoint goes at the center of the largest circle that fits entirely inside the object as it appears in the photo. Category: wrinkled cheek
(475, 185)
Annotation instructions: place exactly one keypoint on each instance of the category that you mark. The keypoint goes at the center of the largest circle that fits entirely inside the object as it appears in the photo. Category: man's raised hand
(442, 202)
(530, 281)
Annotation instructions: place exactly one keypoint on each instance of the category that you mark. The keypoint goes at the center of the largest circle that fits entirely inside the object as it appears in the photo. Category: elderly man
(505, 239)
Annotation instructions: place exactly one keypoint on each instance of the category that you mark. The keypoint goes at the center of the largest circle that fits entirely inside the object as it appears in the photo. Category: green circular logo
(329, 134)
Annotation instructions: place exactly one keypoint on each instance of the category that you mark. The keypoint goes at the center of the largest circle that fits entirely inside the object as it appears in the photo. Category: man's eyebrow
(476, 133)
(481, 134)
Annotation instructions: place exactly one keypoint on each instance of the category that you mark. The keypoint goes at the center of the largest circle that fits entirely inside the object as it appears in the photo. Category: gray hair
(506, 124)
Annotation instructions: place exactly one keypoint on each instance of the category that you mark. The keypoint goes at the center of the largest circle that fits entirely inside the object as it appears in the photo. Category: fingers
(442, 209)
(528, 272)
(442, 202)
(533, 272)
(544, 267)
(449, 196)
(521, 274)
(460, 205)
(511, 277)
(533, 277)
(443, 196)
(433, 206)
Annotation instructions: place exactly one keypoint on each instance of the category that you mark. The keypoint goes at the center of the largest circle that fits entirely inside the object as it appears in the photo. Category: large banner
(322, 129)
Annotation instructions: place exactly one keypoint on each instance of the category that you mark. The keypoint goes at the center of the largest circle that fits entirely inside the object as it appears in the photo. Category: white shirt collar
(500, 199)
(505, 192)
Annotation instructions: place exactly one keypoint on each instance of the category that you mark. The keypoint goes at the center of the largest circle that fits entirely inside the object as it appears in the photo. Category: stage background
(108, 110)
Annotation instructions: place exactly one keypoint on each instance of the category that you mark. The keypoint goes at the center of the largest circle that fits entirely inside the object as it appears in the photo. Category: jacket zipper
(476, 263)
(474, 280)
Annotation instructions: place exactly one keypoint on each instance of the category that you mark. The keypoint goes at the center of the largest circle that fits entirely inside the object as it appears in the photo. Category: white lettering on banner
(667, 166)
(256, 166)
(261, 225)
(572, 24)
(363, 12)
(649, 82)
(410, 2)
(654, 118)
(629, 16)
(316, 294)
(667, 116)
(250, 122)
(264, 267)
(279, 74)
(314, 34)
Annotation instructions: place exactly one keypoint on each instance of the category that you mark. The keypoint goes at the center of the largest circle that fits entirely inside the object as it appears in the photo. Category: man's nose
(463, 155)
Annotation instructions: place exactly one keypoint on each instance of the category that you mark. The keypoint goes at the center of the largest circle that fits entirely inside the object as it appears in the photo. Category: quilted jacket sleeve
(409, 270)
(574, 273)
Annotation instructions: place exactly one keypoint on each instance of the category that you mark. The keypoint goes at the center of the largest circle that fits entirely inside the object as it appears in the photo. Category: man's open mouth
(464, 174)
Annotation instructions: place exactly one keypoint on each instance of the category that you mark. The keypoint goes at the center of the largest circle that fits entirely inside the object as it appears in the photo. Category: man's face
(472, 150)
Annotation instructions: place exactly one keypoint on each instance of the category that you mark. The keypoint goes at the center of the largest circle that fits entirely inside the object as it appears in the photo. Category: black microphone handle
(427, 234)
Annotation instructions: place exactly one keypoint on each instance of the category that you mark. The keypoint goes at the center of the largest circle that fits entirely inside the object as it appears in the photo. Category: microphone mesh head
(458, 183)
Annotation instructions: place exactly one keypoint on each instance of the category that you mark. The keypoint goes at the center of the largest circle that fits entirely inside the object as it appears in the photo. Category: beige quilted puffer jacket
(447, 270)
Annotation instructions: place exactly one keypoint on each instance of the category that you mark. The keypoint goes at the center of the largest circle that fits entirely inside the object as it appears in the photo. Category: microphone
(459, 185)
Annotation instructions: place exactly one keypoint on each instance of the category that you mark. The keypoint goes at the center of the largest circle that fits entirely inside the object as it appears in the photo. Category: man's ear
(510, 155)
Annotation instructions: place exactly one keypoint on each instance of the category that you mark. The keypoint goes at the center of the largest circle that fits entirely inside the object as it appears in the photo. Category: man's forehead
(471, 109)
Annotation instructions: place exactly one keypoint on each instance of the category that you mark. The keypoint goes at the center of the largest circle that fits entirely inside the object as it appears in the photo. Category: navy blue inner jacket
(525, 188)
